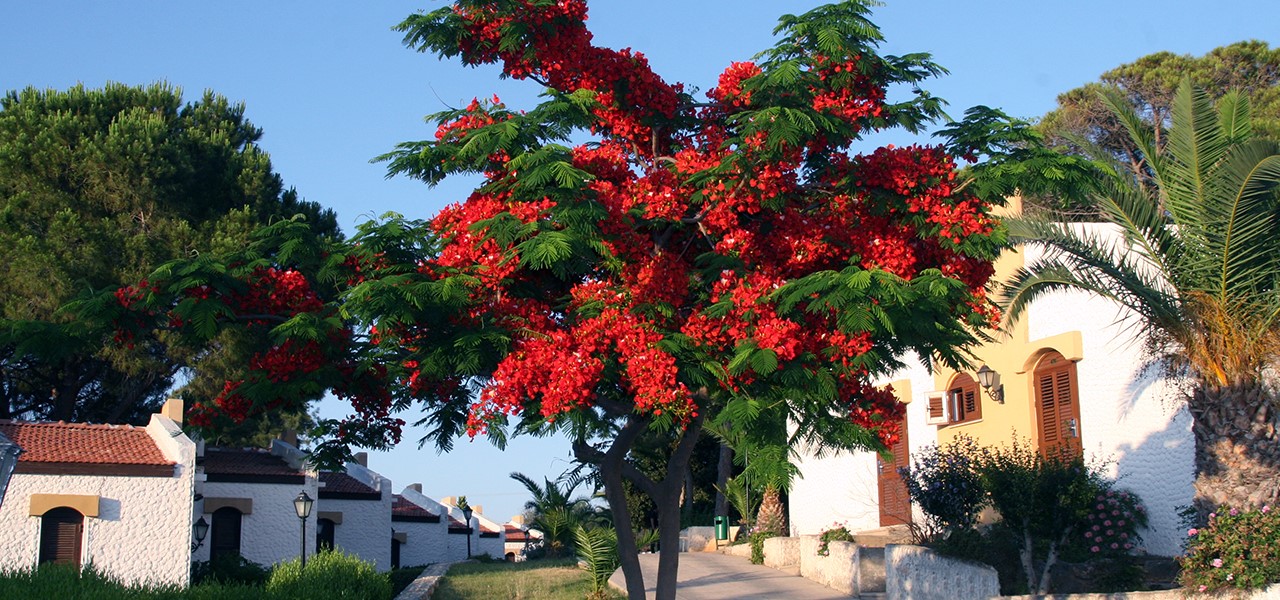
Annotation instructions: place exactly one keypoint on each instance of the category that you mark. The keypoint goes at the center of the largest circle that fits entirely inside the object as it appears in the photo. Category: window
(61, 530)
(961, 403)
(1058, 405)
(224, 533)
(324, 534)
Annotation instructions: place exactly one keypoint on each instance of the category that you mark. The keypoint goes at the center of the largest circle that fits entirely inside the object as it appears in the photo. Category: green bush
(329, 574)
(757, 545)
(944, 482)
(837, 533)
(1236, 549)
(231, 569)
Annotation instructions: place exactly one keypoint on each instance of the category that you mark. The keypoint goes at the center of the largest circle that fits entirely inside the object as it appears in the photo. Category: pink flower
(1095, 549)
(1204, 587)
(1234, 512)
(1192, 532)
(1231, 577)
(1217, 563)
(1266, 508)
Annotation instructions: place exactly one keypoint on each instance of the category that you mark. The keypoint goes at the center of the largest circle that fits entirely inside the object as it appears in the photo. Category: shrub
(757, 545)
(1043, 499)
(1236, 549)
(1110, 528)
(597, 550)
(837, 533)
(329, 574)
(944, 482)
(229, 569)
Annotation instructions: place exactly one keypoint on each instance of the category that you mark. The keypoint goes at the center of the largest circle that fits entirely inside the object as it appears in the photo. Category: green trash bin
(722, 528)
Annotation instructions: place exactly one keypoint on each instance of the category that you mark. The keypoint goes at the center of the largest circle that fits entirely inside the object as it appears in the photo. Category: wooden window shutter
(937, 409)
(1048, 408)
(1056, 405)
(61, 530)
(972, 405)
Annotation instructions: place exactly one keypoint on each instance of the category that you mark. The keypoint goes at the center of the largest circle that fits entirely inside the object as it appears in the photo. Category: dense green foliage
(597, 552)
(1083, 122)
(555, 512)
(529, 580)
(98, 188)
(328, 574)
(1192, 250)
(1235, 549)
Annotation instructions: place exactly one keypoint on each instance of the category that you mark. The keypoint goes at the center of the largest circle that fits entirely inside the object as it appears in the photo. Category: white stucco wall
(842, 487)
(1132, 421)
(366, 524)
(270, 532)
(141, 534)
(426, 543)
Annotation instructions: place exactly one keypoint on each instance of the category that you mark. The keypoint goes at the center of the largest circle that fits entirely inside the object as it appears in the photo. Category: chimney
(362, 459)
(417, 487)
(449, 501)
(518, 520)
(478, 509)
(290, 437)
(172, 409)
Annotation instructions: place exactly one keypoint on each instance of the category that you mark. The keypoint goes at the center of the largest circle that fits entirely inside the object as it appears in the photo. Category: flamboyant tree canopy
(633, 251)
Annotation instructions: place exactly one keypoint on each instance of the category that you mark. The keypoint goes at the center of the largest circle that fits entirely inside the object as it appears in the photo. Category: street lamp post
(9, 452)
(466, 514)
(302, 506)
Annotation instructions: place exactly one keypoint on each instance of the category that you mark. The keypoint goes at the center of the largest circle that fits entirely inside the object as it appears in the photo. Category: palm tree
(1199, 267)
(553, 511)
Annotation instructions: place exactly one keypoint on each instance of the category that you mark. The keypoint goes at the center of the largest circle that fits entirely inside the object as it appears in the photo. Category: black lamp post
(466, 514)
(201, 529)
(9, 452)
(302, 506)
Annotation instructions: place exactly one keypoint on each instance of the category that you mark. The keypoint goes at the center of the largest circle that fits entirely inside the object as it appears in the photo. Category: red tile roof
(82, 443)
(340, 485)
(234, 464)
(515, 534)
(404, 509)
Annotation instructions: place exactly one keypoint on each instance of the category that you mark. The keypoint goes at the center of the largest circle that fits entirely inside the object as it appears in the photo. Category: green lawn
(530, 580)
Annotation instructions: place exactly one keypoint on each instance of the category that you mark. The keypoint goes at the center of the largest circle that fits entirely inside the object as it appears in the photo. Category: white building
(247, 497)
(117, 497)
(355, 510)
(1073, 374)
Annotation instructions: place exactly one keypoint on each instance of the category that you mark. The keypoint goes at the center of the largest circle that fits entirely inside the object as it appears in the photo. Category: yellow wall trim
(244, 505)
(1069, 344)
(902, 389)
(43, 503)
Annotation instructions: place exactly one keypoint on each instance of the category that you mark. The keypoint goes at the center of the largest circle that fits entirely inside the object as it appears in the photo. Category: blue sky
(332, 87)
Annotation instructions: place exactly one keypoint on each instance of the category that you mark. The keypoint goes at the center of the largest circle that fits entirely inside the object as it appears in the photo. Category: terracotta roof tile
(515, 534)
(234, 461)
(82, 443)
(341, 485)
(404, 508)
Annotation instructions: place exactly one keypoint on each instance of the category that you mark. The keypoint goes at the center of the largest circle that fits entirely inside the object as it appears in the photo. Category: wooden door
(1058, 406)
(61, 530)
(224, 534)
(895, 504)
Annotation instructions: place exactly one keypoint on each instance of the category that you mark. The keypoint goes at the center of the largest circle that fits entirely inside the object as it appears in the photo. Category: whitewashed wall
(426, 543)
(270, 533)
(842, 487)
(365, 530)
(1131, 419)
(139, 534)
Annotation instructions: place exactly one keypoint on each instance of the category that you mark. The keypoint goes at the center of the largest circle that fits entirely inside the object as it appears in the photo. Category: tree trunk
(1237, 449)
(771, 516)
(724, 467)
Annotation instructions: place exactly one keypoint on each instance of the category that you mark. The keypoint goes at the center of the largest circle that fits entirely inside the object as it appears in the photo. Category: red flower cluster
(276, 292)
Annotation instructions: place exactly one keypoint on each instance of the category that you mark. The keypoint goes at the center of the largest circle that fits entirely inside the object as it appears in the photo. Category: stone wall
(917, 573)
(837, 570)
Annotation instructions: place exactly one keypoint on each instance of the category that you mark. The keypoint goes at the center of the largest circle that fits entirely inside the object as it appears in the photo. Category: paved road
(714, 576)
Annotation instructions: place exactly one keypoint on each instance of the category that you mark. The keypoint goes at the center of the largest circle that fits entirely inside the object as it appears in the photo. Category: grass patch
(546, 579)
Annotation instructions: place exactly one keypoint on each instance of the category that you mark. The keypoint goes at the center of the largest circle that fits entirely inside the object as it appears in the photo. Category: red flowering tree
(726, 259)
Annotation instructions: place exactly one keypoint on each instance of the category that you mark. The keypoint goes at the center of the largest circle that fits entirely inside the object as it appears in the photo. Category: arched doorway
(1058, 405)
(61, 531)
(224, 533)
(324, 534)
